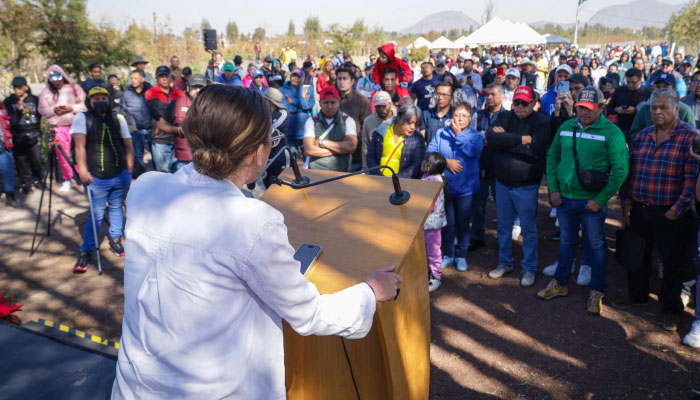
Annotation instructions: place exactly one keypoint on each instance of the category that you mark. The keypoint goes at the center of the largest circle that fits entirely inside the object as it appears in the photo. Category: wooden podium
(361, 231)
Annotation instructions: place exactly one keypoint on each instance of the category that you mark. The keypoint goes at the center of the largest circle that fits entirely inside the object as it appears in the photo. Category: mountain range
(636, 14)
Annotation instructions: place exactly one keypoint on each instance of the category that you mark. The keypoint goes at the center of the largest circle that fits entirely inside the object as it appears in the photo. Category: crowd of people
(488, 123)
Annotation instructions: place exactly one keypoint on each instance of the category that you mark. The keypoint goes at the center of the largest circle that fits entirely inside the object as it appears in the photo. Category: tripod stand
(51, 168)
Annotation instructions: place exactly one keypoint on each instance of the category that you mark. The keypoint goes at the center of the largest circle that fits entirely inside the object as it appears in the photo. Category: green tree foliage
(18, 23)
(348, 38)
(231, 31)
(291, 31)
(205, 24)
(312, 28)
(259, 34)
(683, 26)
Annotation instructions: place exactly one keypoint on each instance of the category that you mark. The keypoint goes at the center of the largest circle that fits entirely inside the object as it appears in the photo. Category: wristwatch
(321, 142)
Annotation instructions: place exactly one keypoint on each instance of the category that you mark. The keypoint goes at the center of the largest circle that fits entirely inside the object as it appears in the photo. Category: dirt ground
(490, 339)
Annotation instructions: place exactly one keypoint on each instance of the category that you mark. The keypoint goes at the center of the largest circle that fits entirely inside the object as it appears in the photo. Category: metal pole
(94, 230)
(578, 8)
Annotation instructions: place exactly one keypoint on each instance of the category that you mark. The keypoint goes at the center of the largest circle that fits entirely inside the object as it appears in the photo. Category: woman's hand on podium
(384, 283)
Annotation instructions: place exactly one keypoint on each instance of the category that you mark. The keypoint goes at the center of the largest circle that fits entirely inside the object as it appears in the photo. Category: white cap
(498, 60)
(564, 67)
(513, 72)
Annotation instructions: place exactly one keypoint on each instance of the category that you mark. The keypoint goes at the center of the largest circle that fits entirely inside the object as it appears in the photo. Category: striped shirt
(663, 174)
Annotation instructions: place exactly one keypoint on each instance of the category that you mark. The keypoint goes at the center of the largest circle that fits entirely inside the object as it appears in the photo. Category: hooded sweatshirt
(404, 70)
(69, 95)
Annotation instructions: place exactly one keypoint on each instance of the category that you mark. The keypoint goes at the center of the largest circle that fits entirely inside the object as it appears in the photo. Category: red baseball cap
(572, 63)
(331, 92)
(523, 93)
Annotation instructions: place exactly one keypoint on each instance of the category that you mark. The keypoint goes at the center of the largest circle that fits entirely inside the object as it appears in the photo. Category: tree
(259, 34)
(231, 31)
(205, 24)
(312, 28)
(453, 34)
(683, 26)
(489, 9)
(18, 24)
(291, 31)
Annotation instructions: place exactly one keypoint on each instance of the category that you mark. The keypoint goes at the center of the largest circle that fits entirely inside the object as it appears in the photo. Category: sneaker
(552, 290)
(27, 188)
(499, 271)
(447, 261)
(553, 213)
(83, 263)
(692, 339)
(516, 232)
(434, 284)
(462, 264)
(584, 275)
(626, 302)
(528, 279)
(11, 200)
(671, 321)
(556, 223)
(595, 302)
(556, 236)
(115, 245)
(550, 270)
(476, 245)
(65, 187)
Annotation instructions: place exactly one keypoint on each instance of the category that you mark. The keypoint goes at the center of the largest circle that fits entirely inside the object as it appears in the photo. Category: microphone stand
(301, 182)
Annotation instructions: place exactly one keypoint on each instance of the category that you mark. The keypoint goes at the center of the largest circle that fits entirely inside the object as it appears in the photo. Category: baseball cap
(368, 65)
(329, 92)
(339, 52)
(563, 67)
(590, 98)
(197, 80)
(18, 81)
(275, 96)
(307, 64)
(488, 61)
(257, 73)
(686, 62)
(523, 93)
(498, 60)
(440, 62)
(578, 78)
(228, 66)
(572, 63)
(667, 59)
(162, 70)
(298, 71)
(55, 76)
(267, 59)
(668, 78)
(382, 98)
(97, 90)
(527, 61)
(513, 72)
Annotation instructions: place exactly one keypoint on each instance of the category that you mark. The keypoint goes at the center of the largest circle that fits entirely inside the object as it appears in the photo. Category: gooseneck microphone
(300, 182)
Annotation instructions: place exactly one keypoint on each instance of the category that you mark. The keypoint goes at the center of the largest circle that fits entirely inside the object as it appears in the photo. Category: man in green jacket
(643, 118)
(600, 146)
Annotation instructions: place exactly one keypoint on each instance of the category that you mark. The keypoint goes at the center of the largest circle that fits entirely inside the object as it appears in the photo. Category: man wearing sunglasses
(518, 144)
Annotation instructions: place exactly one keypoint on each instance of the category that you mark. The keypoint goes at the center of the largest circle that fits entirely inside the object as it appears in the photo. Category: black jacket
(26, 120)
(519, 164)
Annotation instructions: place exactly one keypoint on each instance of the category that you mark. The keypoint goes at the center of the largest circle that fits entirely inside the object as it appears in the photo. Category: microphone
(300, 182)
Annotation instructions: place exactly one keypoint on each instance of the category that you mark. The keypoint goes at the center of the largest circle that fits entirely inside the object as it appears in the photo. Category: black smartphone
(307, 254)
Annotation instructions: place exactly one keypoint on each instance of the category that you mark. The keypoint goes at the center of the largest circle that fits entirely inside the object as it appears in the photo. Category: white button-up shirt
(209, 275)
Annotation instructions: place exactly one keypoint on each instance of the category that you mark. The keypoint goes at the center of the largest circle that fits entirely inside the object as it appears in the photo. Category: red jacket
(405, 73)
(5, 126)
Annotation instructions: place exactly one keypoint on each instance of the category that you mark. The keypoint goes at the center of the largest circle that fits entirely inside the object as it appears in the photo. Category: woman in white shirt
(209, 274)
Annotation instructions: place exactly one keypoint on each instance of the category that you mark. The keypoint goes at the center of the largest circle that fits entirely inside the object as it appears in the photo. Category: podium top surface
(354, 222)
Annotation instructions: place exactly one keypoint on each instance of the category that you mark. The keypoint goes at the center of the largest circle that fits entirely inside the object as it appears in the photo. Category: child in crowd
(433, 168)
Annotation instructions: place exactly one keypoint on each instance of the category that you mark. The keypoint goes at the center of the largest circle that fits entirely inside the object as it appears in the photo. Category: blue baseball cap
(668, 78)
(257, 73)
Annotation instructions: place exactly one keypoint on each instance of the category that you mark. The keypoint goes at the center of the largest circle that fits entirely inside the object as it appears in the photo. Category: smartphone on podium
(307, 254)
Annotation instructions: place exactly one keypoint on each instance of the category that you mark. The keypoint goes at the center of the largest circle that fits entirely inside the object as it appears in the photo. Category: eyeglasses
(520, 103)
(438, 94)
(276, 137)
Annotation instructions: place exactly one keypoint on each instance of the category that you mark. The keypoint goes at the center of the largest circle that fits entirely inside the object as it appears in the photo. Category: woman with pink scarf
(58, 103)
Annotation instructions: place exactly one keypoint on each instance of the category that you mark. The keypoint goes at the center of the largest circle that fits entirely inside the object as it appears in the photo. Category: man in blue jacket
(134, 101)
(549, 100)
(229, 77)
(299, 100)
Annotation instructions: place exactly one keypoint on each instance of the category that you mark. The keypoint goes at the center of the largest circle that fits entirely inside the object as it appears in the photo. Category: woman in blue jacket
(461, 146)
(402, 146)
(299, 100)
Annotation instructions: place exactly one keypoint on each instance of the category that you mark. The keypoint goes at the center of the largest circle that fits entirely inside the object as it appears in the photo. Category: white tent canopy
(554, 39)
(443, 43)
(500, 32)
(420, 42)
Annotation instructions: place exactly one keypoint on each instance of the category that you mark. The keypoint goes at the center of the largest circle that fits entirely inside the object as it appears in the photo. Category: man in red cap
(518, 144)
(330, 137)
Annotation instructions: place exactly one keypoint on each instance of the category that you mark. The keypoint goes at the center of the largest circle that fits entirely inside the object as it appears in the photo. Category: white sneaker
(692, 339)
(556, 223)
(65, 187)
(552, 269)
(516, 232)
(434, 284)
(584, 275)
(499, 271)
(528, 279)
(553, 213)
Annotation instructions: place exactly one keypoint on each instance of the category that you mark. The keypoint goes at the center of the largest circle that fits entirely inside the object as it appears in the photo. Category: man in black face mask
(105, 160)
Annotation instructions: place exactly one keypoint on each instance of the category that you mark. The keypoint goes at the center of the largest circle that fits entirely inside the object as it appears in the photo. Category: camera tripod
(51, 168)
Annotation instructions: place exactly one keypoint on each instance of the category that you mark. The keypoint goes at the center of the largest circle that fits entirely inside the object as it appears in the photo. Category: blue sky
(274, 15)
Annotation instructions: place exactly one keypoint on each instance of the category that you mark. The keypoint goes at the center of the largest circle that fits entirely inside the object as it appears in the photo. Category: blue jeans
(163, 157)
(138, 138)
(512, 203)
(458, 211)
(572, 214)
(179, 164)
(7, 170)
(479, 208)
(110, 190)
